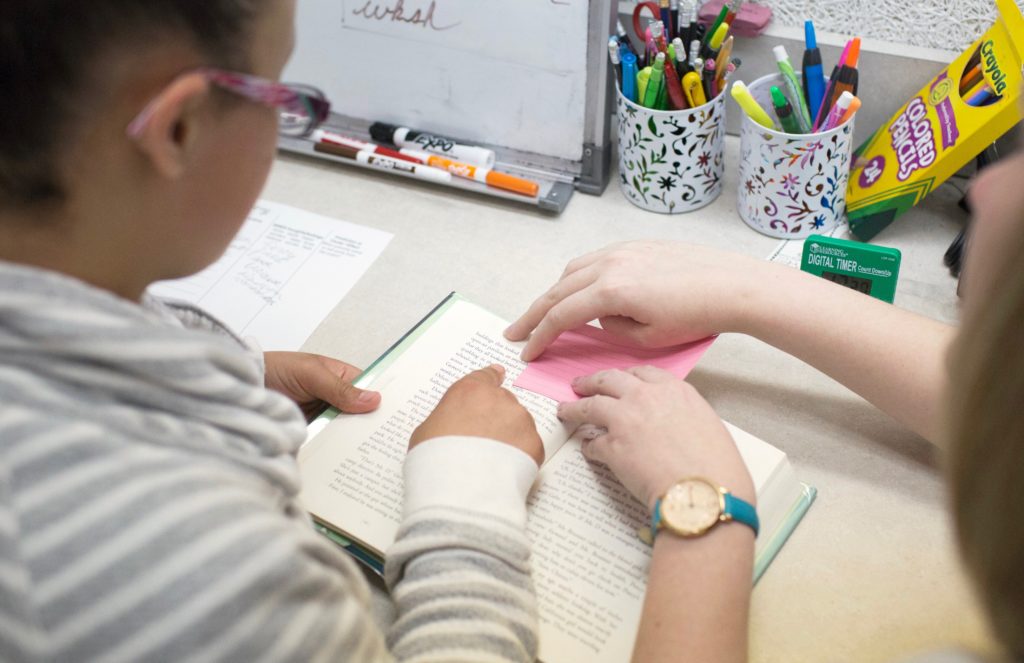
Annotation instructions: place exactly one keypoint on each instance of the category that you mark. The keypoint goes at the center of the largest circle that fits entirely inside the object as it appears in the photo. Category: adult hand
(659, 430)
(315, 381)
(654, 293)
(477, 405)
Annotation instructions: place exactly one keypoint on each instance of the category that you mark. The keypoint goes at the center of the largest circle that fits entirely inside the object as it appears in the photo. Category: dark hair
(49, 50)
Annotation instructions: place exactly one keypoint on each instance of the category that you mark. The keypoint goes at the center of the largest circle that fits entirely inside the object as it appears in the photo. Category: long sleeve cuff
(469, 473)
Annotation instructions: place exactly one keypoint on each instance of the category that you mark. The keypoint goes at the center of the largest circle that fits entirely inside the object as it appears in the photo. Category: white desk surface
(871, 574)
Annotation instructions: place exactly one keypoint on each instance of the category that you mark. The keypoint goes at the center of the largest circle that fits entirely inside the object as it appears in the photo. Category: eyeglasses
(300, 108)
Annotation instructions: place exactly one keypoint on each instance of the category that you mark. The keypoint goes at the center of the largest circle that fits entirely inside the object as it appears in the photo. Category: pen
(694, 53)
(629, 76)
(476, 173)
(784, 111)
(383, 163)
(613, 54)
(673, 14)
(681, 64)
(666, 16)
(803, 116)
(814, 77)
(753, 109)
(846, 79)
(838, 110)
(321, 136)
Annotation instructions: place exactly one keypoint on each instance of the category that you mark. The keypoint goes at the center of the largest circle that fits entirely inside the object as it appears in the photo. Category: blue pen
(814, 77)
(629, 76)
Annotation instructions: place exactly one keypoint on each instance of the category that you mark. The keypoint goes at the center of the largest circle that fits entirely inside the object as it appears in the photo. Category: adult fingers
(597, 410)
(576, 309)
(651, 374)
(609, 383)
(565, 287)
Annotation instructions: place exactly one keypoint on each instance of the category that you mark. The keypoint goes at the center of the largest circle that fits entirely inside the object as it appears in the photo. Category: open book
(589, 566)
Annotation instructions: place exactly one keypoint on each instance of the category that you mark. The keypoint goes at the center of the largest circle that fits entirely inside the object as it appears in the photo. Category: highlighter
(655, 83)
(753, 109)
(803, 116)
(814, 75)
(694, 89)
(784, 111)
(716, 39)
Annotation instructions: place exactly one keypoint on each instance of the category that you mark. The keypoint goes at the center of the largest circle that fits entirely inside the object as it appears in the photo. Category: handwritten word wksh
(588, 349)
(282, 274)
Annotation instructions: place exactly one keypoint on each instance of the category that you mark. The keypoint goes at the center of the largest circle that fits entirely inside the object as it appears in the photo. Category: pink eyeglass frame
(301, 100)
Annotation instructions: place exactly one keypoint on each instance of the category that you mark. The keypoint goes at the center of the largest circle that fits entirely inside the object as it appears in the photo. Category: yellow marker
(753, 109)
(719, 37)
(693, 89)
(642, 77)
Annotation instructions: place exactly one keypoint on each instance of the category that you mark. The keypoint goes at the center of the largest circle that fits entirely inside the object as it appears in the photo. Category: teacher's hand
(655, 293)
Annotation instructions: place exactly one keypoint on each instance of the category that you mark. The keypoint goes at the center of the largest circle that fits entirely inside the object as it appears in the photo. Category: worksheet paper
(282, 274)
(589, 349)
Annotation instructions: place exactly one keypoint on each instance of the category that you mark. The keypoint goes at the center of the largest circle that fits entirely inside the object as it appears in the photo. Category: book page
(590, 567)
(352, 476)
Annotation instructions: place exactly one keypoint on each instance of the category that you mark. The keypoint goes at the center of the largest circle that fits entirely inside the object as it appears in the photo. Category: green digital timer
(863, 267)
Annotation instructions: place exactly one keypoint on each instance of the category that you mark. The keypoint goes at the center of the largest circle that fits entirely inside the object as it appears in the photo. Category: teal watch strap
(742, 511)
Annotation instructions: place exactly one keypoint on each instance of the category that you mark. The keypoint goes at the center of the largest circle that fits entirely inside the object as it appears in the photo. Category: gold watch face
(691, 507)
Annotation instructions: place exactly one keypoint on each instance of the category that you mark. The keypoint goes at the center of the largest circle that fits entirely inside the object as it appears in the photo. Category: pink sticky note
(588, 349)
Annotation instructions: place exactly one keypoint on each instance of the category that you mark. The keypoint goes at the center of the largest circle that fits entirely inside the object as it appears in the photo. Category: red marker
(321, 136)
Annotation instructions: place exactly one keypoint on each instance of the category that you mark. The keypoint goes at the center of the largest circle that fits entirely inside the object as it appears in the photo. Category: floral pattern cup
(791, 186)
(671, 161)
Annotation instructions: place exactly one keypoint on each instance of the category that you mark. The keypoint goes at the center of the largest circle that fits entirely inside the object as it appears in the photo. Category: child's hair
(985, 420)
(50, 62)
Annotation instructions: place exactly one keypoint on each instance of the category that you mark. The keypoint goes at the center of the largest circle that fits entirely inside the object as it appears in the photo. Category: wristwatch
(694, 505)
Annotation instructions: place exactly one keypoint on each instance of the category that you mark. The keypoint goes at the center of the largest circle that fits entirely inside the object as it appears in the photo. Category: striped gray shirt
(147, 508)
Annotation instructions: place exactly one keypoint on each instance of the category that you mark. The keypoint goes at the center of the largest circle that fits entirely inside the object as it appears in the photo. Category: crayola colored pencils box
(950, 121)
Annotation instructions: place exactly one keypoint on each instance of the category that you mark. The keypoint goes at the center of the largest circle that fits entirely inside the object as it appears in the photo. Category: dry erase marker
(417, 140)
(476, 173)
(321, 136)
(384, 163)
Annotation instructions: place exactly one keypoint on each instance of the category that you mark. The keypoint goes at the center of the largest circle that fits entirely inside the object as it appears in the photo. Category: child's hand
(315, 381)
(659, 430)
(477, 405)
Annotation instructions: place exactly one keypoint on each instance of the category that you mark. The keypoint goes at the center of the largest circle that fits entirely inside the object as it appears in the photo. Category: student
(147, 475)
(660, 430)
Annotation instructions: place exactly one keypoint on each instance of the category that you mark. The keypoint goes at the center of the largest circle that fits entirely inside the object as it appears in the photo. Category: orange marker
(854, 105)
(477, 173)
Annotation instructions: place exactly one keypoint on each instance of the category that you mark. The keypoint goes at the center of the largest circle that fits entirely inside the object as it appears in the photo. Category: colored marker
(784, 111)
(837, 112)
(384, 163)
(714, 26)
(854, 107)
(846, 78)
(719, 36)
(629, 76)
(391, 134)
(814, 76)
(694, 89)
(321, 136)
(750, 106)
(823, 110)
(642, 78)
(476, 173)
(655, 82)
(803, 116)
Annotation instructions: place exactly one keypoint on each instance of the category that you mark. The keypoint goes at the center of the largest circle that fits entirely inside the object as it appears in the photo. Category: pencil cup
(791, 186)
(671, 161)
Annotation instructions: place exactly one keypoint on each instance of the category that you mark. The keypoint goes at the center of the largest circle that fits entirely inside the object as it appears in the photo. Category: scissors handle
(653, 8)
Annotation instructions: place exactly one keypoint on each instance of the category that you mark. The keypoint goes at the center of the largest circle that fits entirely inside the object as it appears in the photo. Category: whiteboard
(509, 73)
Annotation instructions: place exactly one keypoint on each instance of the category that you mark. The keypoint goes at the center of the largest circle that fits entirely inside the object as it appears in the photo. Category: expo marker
(417, 140)
(384, 163)
(476, 173)
(321, 136)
